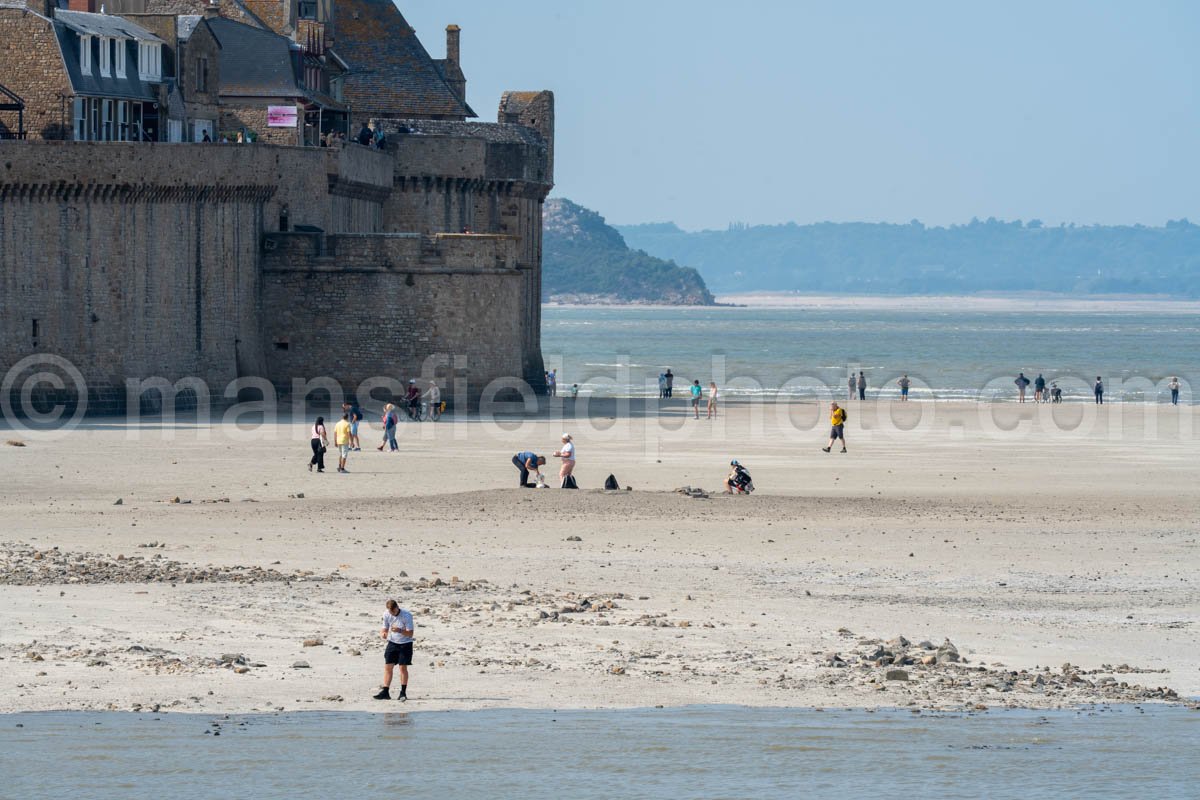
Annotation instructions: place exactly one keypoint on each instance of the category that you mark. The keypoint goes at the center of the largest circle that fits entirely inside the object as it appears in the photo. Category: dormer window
(149, 61)
(85, 55)
(119, 61)
(106, 56)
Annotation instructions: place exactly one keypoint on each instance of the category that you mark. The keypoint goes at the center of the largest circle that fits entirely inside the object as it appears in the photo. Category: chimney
(452, 32)
(212, 11)
(454, 74)
(81, 5)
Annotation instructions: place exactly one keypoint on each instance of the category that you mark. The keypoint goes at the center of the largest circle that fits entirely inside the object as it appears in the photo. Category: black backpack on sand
(610, 484)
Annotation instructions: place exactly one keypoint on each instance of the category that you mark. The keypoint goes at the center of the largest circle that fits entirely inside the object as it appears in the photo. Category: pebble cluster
(940, 670)
(28, 566)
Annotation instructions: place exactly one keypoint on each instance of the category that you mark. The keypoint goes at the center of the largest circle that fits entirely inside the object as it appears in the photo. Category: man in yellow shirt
(342, 438)
(837, 421)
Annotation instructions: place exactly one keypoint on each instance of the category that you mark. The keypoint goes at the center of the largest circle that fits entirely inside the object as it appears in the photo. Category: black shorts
(836, 433)
(398, 653)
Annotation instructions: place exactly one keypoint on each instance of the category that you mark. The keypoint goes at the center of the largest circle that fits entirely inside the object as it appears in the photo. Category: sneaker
(383, 694)
(843, 449)
(826, 449)
(403, 698)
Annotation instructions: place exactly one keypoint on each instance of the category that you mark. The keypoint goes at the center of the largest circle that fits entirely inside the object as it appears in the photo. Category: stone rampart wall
(137, 260)
(398, 252)
(353, 326)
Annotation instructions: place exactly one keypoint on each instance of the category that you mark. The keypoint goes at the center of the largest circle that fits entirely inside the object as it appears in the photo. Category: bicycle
(432, 412)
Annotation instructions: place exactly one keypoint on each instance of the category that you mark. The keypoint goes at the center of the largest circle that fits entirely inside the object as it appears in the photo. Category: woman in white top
(712, 399)
(567, 454)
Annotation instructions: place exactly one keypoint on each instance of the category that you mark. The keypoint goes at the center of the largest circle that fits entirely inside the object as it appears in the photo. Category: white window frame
(119, 50)
(200, 127)
(93, 119)
(105, 57)
(85, 55)
(79, 108)
(149, 61)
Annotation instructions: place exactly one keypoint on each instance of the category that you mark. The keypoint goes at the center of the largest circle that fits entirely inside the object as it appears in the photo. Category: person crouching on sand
(398, 633)
(739, 480)
(567, 454)
(528, 462)
(837, 422)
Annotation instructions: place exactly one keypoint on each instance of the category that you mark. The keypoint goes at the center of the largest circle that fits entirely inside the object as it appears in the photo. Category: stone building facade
(191, 60)
(199, 264)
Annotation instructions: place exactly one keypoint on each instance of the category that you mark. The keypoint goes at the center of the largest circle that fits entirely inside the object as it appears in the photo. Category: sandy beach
(1054, 548)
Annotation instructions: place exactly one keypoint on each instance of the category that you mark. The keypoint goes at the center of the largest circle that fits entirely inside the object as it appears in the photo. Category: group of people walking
(551, 378)
(1044, 392)
(1049, 391)
(666, 389)
(345, 430)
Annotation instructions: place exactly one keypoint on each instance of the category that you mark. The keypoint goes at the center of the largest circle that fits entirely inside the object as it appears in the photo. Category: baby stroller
(739, 479)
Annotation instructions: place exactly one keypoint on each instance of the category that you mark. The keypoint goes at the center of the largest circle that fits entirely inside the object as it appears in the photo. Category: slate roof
(131, 87)
(254, 62)
(104, 25)
(185, 24)
(391, 73)
(260, 63)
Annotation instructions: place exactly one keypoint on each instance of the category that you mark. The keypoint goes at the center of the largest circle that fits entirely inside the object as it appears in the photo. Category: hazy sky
(760, 111)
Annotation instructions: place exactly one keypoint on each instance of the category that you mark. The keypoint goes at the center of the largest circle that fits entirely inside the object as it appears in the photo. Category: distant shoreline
(977, 302)
(972, 302)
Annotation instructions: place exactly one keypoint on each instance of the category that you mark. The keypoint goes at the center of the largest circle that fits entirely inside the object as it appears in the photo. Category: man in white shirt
(398, 633)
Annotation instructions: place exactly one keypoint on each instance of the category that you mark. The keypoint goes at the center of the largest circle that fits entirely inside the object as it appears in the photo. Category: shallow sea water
(696, 752)
(949, 354)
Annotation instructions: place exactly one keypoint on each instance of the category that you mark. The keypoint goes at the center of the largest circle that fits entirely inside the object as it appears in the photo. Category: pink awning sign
(281, 116)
